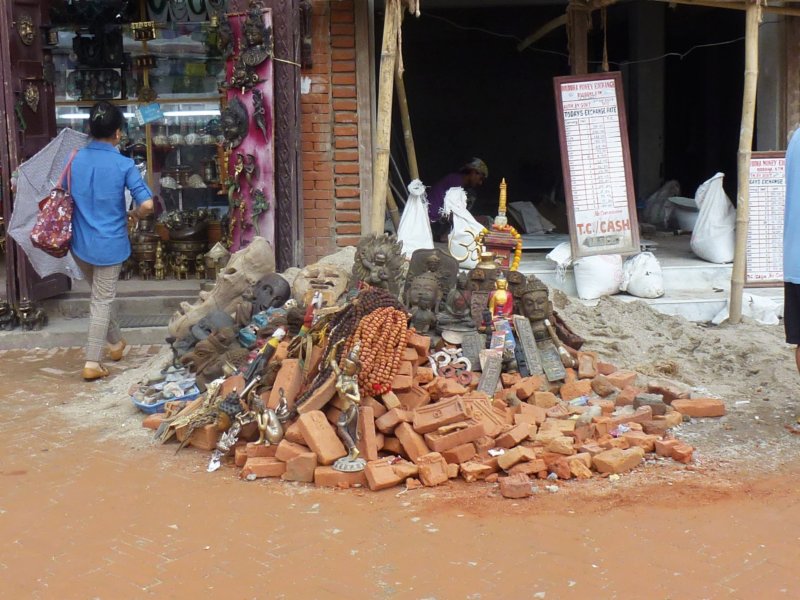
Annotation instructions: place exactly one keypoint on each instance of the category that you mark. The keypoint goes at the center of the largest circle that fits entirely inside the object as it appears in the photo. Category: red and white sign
(595, 160)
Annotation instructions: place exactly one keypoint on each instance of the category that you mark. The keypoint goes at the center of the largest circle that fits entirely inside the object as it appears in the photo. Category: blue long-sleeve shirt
(100, 175)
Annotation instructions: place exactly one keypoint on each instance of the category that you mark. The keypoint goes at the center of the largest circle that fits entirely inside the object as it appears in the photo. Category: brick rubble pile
(430, 429)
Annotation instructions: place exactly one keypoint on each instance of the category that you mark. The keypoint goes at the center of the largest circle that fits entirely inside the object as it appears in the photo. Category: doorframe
(8, 148)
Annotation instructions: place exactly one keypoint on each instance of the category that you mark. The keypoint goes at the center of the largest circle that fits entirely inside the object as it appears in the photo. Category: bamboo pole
(752, 19)
(391, 203)
(380, 184)
(405, 118)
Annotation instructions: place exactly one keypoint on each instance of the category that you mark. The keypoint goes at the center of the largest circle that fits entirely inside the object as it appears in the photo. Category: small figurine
(126, 272)
(260, 205)
(422, 300)
(501, 302)
(347, 391)
(259, 113)
(145, 270)
(250, 168)
(159, 267)
(455, 314)
(270, 428)
(180, 270)
(8, 318)
(30, 317)
(199, 266)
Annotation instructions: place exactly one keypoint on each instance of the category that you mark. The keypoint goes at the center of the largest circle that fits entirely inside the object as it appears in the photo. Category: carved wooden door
(26, 125)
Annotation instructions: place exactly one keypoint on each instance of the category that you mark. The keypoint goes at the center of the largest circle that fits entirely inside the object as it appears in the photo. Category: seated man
(470, 177)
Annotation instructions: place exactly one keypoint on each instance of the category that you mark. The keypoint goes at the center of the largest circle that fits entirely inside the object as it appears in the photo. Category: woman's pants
(102, 325)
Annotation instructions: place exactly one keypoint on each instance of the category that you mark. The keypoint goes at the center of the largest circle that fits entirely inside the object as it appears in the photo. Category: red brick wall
(329, 133)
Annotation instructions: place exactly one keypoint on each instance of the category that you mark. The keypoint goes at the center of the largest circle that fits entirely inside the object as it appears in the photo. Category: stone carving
(422, 299)
(443, 266)
(329, 280)
(455, 313)
(379, 262)
(243, 270)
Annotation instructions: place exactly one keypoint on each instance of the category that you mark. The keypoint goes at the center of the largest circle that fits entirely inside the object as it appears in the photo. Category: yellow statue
(501, 302)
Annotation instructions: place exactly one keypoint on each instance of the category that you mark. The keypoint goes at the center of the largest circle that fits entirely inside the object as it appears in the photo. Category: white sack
(764, 310)
(461, 241)
(713, 237)
(414, 231)
(642, 276)
(562, 256)
(597, 276)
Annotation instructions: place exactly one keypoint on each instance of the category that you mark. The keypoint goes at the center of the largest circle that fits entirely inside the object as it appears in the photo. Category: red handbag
(52, 232)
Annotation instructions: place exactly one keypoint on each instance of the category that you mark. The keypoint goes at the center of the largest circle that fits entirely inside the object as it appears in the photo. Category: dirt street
(89, 508)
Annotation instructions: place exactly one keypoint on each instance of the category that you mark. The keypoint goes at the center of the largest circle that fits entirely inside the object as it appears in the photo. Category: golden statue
(501, 302)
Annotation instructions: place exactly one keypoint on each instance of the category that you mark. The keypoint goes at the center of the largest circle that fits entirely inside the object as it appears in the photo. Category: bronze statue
(501, 302)
(30, 317)
(199, 266)
(180, 269)
(145, 269)
(347, 391)
(379, 261)
(159, 267)
(259, 113)
(8, 318)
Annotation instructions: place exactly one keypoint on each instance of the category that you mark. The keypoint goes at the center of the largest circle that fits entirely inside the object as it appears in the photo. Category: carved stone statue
(422, 299)
(455, 314)
(443, 266)
(538, 309)
(379, 262)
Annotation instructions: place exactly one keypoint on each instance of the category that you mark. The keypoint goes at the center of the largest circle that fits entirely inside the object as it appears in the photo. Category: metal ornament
(257, 37)
(349, 465)
(32, 96)
(25, 29)
(259, 113)
(235, 123)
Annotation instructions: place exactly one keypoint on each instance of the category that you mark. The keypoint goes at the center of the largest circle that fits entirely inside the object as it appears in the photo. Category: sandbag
(642, 276)
(414, 231)
(762, 309)
(461, 241)
(714, 237)
(597, 276)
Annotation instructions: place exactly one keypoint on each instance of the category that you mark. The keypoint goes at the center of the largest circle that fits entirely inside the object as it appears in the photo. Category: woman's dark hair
(104, 120)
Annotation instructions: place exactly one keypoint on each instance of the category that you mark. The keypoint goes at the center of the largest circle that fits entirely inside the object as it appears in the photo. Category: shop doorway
(471, 92)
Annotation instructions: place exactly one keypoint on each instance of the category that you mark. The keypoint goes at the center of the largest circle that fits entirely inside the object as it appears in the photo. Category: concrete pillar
(646, 93)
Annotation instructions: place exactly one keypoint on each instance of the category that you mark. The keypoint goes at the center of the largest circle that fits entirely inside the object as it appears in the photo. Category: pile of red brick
(432, 429)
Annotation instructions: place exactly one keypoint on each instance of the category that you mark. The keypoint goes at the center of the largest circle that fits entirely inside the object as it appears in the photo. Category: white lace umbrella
(37, 176)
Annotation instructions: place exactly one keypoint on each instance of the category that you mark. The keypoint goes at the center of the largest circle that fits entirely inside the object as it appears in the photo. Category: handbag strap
(68, 172)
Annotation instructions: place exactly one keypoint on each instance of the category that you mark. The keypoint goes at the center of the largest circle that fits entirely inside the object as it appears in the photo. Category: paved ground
(89, 508)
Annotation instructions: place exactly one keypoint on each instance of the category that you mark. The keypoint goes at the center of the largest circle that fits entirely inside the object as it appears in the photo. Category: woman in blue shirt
(100, 242)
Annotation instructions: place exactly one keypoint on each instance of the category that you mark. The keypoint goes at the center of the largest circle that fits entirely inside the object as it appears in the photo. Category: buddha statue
(455, 314)
(501, 302)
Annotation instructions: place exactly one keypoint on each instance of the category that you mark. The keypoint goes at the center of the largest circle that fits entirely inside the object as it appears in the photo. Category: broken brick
(442, 387)
(668, 389)
(392, 419)
(622, 379)
(618, 461)
(388, 472)
(515, 486)
(320, 397)
(570, 391)
(290, 380)
(414, 397)
(544, 399)
(431, 417)
(514, 436)
(413, 443)
(587, 365)
(321, 437)
(439, 442)
(367, 444)
(432, 469)
(287, 450)
(700, 407)
(329, 477)
(602, 386)
(263, 467)
(301, 468)
(460, 454)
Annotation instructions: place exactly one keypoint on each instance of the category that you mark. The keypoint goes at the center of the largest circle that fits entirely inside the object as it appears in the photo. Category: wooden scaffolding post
(389, 49)
(408, 136)
(753, 17)
(579, 15)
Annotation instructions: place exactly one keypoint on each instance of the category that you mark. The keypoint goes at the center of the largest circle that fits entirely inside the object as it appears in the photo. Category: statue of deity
(378, 262)
(347, 392)
(422, 299)
(538, 309)
(501, 302)
(455, 314)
